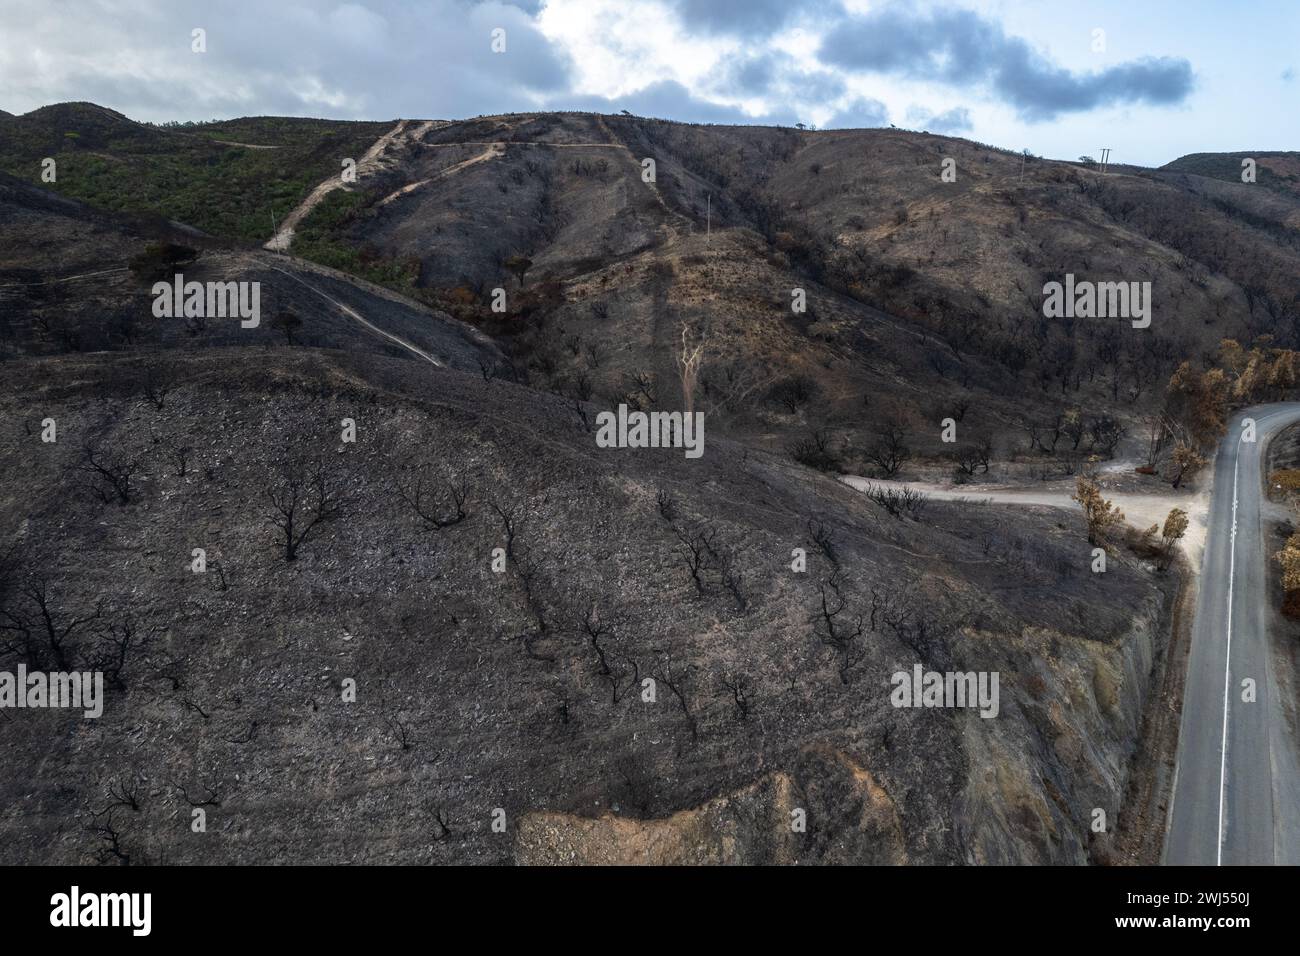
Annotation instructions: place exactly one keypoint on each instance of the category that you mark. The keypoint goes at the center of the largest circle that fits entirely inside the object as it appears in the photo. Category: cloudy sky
(1152, 79)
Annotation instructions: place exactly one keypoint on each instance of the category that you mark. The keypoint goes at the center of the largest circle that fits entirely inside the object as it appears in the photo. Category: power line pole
(708, 218)
(1105, 158)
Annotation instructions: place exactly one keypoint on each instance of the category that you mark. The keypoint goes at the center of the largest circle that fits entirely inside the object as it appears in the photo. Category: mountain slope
(925, 297)
(524, 690)
(1274, 170)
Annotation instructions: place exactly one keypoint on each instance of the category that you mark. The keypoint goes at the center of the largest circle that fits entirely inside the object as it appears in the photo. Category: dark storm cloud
(862, 113)
(818, 86)
(955, 120)
(530, 7)
(755, 74)
(747, 18)
(962, 47)
(778, 73)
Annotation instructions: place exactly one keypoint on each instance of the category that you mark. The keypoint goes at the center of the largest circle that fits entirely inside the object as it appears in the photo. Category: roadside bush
(1288, 479)
(1291, 604)
(898, 501)
(160, 260)
(793, 391)
(1289, 559)
(815, 451)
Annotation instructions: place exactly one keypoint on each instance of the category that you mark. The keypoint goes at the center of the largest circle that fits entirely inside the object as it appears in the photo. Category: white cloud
(619, 46)
(751, 60)
(365, 60)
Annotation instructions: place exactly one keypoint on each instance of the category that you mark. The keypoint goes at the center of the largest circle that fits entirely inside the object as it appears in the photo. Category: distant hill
(924, 296)
(187, 173)
(1275, 170)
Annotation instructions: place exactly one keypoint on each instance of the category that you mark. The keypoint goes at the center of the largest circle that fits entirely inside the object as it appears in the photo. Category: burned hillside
(523, 690)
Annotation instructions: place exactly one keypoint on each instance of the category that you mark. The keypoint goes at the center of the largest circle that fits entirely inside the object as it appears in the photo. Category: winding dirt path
(493, 151)
(373, 158)
(360, 319)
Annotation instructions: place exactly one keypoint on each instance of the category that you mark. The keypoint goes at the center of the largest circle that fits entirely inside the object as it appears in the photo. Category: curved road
(1236, 794)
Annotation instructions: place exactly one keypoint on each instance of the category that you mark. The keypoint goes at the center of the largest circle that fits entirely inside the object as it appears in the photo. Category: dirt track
(399, 135)
(1141, 511)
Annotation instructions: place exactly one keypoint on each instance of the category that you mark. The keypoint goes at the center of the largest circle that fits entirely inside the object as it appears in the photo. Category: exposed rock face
(848, 816)
(1021, 803)
(1031, 795)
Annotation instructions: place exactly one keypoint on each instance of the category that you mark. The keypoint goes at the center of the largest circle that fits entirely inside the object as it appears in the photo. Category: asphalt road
(1236, 793)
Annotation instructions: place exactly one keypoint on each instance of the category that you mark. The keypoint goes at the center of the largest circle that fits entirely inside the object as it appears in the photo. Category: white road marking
(1227, 660)
(353, 314)
(84, 275)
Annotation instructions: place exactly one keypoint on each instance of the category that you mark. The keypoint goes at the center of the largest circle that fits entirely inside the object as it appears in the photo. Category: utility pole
(1105, 158)
(708, 218)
